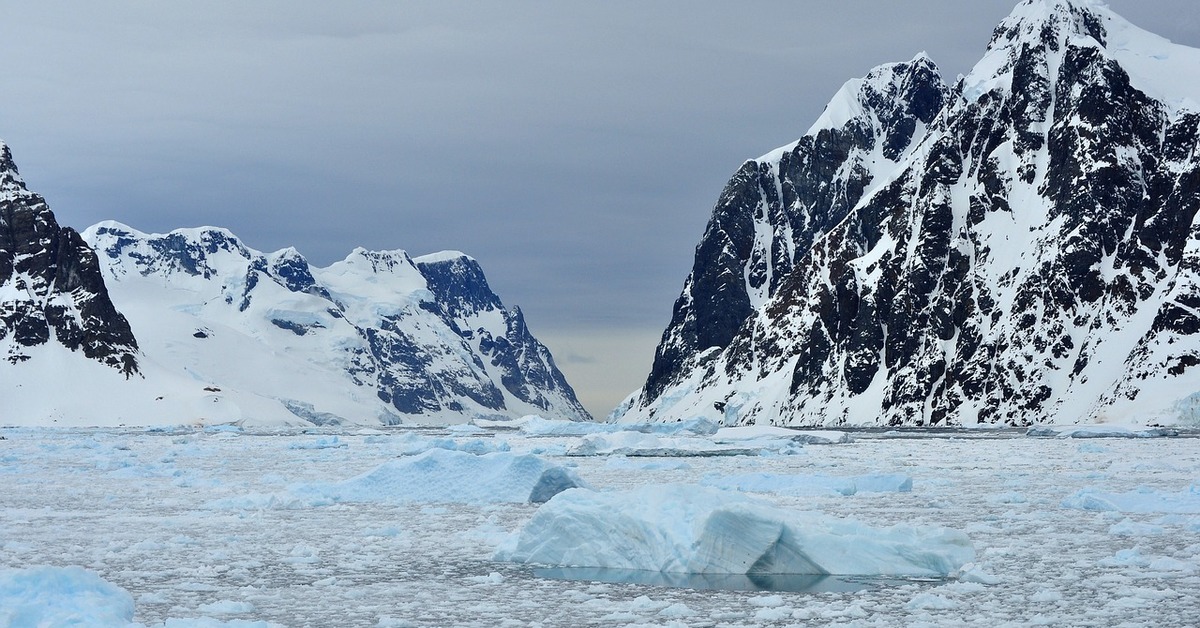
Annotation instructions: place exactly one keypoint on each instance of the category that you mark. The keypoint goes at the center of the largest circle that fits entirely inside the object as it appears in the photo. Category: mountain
(377, 337)
(1017, 248)
(51, 289)
(120, 327)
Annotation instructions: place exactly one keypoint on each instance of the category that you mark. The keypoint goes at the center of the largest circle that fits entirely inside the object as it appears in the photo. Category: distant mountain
(379, 336)
(1017, 248)
(195, 326)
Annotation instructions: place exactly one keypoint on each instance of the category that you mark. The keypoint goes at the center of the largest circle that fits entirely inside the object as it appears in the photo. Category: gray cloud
(575, 149)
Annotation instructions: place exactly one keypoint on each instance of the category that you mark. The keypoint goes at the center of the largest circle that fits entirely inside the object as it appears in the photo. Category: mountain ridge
(119, 327)
(372, 323)
(1025, 239)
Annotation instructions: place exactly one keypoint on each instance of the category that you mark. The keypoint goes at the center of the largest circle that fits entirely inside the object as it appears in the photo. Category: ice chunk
(931, 602)
(692, 529)
(1141, 500)
(441, 475)
(413, 444)
(61, 596)
(1101, 431)
(812, 484)
(320, 443)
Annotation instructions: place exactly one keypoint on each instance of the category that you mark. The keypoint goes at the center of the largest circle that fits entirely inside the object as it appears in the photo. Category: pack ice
(693, 529)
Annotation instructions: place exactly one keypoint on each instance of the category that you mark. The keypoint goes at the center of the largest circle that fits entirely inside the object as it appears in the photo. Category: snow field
(134, 508)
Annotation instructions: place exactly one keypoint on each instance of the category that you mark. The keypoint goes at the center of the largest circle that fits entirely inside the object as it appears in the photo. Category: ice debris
(692, 529)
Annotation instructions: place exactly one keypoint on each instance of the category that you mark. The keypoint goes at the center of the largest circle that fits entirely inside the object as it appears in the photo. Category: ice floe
(1143, 500)
(61, 596)
(1101, 431)
(437, 475)
(691, 529)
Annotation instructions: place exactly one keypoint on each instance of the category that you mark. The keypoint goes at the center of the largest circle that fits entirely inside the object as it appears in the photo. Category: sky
(575, 149)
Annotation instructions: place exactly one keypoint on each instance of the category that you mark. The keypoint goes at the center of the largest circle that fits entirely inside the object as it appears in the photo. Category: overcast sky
(574, 148)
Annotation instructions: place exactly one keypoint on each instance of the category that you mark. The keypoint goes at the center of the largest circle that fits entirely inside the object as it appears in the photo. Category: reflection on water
(796, 583)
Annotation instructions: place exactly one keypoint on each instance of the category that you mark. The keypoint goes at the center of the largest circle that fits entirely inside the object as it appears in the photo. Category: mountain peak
(443, 256)
(1052, 23)
(890, 93)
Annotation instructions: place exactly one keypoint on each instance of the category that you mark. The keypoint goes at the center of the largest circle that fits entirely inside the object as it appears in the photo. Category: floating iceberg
(811, 484)
(1144, 500)
(61, 596)
(442, 475)
(1101, 431)
(691, 529)
(412, 444)
(437, 475)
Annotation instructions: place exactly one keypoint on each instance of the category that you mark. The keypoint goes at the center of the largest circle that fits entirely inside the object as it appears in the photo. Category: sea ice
(811, 484)
(637, 444)
(761, 432)
(691, 529)
(537, 426)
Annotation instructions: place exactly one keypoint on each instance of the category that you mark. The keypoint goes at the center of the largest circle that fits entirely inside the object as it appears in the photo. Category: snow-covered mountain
(377, 337)
(1019, 247)
(122, 327)
(51, 289)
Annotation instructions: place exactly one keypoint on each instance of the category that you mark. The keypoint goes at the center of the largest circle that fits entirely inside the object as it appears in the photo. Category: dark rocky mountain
(1017, 248)
(51, 288)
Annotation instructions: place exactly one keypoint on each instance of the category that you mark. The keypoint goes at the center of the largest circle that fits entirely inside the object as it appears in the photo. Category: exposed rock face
(467, 304)
(378, 334)
(774, 208)
(51, 287)
(1018, 248)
